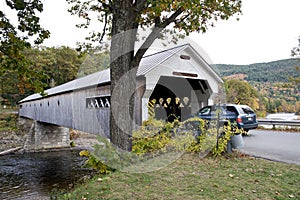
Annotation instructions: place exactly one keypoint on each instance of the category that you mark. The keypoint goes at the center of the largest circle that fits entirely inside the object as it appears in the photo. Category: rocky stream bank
(14, 132)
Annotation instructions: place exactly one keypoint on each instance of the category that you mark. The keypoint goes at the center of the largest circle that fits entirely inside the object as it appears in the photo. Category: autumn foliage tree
(121, 20)
(14, 39)
(239, 90)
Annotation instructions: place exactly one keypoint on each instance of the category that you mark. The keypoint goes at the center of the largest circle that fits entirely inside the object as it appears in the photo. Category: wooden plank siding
(91, 120)
(69, 110)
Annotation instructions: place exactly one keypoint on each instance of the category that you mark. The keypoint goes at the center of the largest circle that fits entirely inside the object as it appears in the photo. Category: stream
(38, 175)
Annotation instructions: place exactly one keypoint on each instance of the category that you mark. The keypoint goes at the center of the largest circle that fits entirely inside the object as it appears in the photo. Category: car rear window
(247, 110)
(230, 110)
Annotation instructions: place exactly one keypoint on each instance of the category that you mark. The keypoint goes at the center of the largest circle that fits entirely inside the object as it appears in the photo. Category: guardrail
(275, 122)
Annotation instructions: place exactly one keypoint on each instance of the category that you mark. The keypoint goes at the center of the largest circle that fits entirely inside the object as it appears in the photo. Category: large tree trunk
(123, 75)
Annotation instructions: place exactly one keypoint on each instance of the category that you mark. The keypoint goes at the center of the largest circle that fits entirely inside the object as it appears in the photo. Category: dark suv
(243, 115)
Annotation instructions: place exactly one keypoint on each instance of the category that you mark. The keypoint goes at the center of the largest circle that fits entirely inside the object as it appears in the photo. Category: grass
(189, 177)
(8, 120)
(282, 128)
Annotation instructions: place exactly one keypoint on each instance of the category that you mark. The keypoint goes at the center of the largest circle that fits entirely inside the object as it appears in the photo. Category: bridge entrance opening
(174, 97)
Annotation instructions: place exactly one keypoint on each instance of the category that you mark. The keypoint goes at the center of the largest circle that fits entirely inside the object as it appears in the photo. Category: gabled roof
(150, 62)
(147, 64)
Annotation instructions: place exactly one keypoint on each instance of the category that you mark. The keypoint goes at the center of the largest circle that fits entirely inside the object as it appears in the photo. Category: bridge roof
(151, 61)
(102, 77)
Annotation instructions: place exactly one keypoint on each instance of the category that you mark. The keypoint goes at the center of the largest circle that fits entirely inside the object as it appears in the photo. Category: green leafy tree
(14, 67)
(242, 91)
(93, 61)
(121, 21)
(66, 65)
(50, 66)
(59, 65)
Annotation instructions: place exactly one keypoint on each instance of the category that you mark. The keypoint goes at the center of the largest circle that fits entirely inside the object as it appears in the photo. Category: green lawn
(190, 177)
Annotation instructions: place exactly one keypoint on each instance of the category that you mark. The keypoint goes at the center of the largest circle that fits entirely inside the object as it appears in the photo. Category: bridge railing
(275, 122)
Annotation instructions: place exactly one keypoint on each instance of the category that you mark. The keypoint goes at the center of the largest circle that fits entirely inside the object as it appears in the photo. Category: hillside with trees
(276, 71)
(274, 82)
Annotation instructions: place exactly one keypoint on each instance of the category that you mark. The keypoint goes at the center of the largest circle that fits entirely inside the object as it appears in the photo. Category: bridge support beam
(45, 136)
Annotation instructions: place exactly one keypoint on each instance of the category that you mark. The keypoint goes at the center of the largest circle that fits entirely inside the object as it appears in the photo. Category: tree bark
(124, 64)
(123, 74)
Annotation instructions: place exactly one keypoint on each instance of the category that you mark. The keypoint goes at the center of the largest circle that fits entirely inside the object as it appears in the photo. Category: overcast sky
(267, 31)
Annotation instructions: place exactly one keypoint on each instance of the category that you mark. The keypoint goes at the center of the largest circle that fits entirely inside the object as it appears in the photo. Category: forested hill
(276, 71)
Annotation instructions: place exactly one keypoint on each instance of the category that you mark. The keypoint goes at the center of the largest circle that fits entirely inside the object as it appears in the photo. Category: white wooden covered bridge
(178, 81)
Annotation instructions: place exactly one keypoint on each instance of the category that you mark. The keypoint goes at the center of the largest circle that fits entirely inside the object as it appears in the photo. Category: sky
(267, 31)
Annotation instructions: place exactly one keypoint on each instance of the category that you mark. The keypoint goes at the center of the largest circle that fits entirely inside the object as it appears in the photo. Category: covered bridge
(176, 81)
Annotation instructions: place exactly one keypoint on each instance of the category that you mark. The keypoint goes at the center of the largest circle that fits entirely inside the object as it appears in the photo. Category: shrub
(8, 122)
(93, 162)
(193, 135)
(156, 137)
(152, 137)
(106, 158)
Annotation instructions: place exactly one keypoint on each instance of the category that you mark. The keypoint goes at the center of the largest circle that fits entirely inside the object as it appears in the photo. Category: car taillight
(238, 120)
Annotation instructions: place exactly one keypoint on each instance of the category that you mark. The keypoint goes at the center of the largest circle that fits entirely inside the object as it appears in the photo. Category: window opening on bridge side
(98, 102)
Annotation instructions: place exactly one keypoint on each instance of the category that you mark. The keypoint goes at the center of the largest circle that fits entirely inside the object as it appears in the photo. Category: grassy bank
(8, 120)
(9, 134)
(234, 177)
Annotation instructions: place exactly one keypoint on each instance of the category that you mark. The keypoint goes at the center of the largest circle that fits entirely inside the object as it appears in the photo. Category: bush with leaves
(106, 158)
(152, 137)
(193, 135)
(156, 138)
(93, 162)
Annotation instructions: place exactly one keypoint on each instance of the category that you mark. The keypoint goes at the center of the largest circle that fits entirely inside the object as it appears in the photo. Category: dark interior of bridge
(171, 97)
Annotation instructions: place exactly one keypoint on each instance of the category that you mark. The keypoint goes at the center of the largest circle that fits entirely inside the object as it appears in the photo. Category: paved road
(273, 145)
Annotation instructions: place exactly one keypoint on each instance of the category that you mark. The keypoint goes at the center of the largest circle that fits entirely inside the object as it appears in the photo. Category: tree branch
(154, 35)
(104, 28)
(171, 19)
(183, 18)
(148, 42)
(108, 6)
(139, 5)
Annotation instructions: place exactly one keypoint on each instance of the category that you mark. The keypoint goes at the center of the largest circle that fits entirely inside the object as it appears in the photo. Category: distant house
(175, 82)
